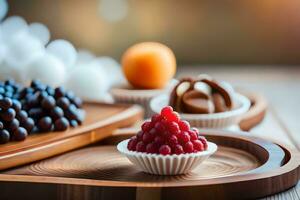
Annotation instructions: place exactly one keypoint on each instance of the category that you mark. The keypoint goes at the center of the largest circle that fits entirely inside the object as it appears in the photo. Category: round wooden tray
(241, 165)
(257, 111)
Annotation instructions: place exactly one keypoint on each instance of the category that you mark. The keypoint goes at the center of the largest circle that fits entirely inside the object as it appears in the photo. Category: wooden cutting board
(243, 167)
(101, 120)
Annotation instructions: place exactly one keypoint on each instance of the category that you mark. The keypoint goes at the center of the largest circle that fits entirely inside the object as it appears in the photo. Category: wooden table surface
(281, 87)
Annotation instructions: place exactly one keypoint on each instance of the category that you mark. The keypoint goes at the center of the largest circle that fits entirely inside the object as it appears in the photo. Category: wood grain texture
(256, 113)
(241, 165)
(278, 85)
(101, 120)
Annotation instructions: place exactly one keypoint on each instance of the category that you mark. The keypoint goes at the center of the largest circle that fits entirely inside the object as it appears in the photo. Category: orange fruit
(149, 65)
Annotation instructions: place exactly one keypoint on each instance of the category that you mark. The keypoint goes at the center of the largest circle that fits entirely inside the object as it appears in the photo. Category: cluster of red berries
(166, 134)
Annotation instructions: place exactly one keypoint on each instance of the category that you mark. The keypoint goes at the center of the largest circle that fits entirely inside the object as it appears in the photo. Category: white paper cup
(221, 120)
(166, 164)
(129, 95)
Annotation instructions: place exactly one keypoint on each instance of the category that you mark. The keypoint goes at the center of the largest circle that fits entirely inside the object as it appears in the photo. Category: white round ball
(22, 49)
(12, 26)
(84, 56)
(88, 83)
(40, 31)
(64, 51)
(113, 68)
(47, 68)
(6, 72)
(2, 48)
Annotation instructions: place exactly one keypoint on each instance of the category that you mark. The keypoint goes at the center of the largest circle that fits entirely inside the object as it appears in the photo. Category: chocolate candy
(197, 102)
(187, 98)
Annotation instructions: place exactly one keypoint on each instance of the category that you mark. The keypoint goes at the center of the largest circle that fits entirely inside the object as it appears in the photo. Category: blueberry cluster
(14, 123)
(37, 108)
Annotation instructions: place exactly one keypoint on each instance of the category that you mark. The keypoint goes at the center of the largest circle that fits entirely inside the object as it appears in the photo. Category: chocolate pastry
(186, 98)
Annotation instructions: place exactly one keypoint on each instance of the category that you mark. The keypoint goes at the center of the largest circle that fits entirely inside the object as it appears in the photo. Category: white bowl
(166, 164)
(126, 94)
(221, 120)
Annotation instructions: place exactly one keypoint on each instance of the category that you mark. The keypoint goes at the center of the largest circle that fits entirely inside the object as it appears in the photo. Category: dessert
(166, 144)
(204, 102)
(37, 108)
(166, 134)
(187, 98)
(148, 68)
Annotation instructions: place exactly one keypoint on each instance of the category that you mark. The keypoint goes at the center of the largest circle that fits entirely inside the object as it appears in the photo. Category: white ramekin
(214, 120)
(166, 164)
(138, 96)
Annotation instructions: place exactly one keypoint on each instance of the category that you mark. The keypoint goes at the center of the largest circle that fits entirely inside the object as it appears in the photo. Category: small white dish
(166, 164)
(221, 120)
(127, 94)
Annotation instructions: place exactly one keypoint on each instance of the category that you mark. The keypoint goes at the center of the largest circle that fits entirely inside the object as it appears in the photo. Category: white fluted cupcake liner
(214, 120)
(141, 97)
(166, 164)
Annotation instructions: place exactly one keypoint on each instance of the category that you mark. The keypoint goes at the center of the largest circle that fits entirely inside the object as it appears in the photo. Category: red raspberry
(188, 147)
(184, 125)
(196, 131)
(156, 118)
(204, 142)
(198, 146)
(178, 149)
(140, 146)
(132, 143)
(152, 148)
(149, 136)
(193, 135)
(172, 141)
(165, 150)
(168, 113)
(159, 140)
(146, 126)
(173, 128)
(183, 137)
(139, 135)
(159, 126)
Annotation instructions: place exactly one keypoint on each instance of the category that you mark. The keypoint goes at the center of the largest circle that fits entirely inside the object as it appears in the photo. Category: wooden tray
(243, 167)
(101, 120)
(257, 111)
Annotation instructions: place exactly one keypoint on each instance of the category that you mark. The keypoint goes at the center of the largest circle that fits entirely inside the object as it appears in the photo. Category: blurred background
(198, 31)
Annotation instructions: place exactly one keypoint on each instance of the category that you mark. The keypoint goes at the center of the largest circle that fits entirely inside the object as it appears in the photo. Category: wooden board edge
(257, 111)
(35, 153)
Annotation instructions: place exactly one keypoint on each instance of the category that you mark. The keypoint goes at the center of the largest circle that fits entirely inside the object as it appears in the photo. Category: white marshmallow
(40, 31)
(112, 67)
(12, 26)
(47, 68)
(64, 51)
(88, 83)
(23, 48)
